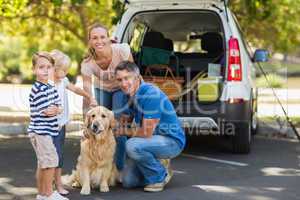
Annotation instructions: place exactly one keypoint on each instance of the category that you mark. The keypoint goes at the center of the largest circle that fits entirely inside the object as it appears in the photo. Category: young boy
(61, 83)
(44, 108)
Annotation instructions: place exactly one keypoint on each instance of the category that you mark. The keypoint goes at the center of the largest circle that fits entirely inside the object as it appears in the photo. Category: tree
(270, 23)
(50, 24)
(63, 24)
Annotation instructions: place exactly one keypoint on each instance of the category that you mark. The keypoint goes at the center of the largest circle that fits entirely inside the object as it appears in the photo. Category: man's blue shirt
(150, 102)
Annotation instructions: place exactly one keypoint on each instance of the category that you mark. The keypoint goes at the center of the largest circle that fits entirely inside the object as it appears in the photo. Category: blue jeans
(59, 142)
(143, 167)
(115, 101)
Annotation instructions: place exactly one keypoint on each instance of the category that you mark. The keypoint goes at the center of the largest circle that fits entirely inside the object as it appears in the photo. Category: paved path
(270, 172)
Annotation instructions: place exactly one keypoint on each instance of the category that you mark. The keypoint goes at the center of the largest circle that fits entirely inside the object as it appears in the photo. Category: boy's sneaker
(40, 197)
(158, 187)
(56, 196)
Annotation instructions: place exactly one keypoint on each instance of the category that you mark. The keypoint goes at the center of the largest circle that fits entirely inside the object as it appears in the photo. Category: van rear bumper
(213, 116)
(204, 123)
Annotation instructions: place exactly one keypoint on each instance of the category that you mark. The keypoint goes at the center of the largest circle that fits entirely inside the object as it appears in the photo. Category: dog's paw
(76, 184)
(104, 188)
(85, 191)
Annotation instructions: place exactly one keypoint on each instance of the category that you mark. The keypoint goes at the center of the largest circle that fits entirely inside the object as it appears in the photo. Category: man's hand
(130, 131)
(117, 129)
(117, 132)
(145, 131)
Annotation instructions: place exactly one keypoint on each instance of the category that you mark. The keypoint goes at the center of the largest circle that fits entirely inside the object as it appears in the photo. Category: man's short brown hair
(129, 66)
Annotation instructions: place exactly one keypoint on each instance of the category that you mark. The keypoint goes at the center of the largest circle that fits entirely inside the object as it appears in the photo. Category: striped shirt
(40, 98)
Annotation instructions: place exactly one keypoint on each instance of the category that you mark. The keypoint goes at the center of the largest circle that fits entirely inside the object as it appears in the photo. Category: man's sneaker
(56, 196)
(155, 187)
(167, 164)
(158, 187)
(169, 176)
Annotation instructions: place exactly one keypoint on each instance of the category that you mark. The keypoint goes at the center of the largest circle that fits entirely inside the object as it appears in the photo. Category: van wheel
(241, 140)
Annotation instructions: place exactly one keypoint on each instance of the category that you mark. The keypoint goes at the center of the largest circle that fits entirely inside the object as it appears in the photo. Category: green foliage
(274, 81)
(11, 7)
(47, 25)
(11, 55)
(272, 24)
(32, 25)
(119, 8)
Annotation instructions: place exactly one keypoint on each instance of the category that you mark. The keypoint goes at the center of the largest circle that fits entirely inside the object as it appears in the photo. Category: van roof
(219, 3)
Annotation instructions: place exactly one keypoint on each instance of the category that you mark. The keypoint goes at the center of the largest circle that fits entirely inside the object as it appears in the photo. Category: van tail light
(235, 101)
(234, 61)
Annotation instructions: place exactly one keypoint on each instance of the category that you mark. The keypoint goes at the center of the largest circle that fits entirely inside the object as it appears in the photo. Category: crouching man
(158, 135)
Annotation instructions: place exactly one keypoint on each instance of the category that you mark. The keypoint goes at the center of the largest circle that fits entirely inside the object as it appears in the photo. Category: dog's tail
(115, 176)
(68, 179)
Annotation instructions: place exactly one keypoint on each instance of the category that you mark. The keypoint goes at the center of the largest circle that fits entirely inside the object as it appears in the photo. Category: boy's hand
(52, 110)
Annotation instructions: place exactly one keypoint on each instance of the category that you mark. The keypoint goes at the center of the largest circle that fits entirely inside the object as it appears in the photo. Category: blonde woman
(100, 63)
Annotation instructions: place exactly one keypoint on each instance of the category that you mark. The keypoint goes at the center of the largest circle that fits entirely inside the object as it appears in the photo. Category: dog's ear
(86, 133)
(87, 120)
(112, 120)
(85, 127)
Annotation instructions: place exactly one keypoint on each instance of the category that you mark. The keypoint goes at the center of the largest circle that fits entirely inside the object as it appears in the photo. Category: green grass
(269, 119)
(274, 81)
(273, 67)
(289, 83)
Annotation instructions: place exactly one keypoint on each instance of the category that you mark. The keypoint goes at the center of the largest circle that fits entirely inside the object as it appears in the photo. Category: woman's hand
(93, 102)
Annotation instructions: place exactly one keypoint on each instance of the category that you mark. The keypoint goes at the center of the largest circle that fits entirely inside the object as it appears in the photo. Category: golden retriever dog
(95, 166)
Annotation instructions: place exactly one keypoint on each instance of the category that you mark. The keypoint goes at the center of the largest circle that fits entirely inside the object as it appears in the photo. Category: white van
(204, 46)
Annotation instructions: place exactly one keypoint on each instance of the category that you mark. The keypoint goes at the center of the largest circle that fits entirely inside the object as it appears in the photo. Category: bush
(274, 81)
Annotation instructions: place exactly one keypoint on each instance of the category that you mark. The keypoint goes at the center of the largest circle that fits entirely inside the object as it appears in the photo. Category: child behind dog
(43, 128)
(61, 83)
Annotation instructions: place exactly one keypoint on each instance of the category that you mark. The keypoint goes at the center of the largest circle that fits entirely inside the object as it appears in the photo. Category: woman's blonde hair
(91, 51)
(62, 61)
(41, 54)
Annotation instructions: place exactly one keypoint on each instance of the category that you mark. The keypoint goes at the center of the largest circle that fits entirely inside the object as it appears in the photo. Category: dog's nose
(95, 127)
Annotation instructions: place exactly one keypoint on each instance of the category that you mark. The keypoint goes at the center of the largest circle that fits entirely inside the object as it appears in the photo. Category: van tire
(241, 140)
(254, 124)
(254, 117)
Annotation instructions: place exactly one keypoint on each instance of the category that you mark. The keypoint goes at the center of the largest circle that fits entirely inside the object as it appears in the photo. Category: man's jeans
(143, 167)
(115, 102)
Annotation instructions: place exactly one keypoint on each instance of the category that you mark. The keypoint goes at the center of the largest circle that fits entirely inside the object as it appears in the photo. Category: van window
(188, 46)
(137, 36)
(189, 42)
